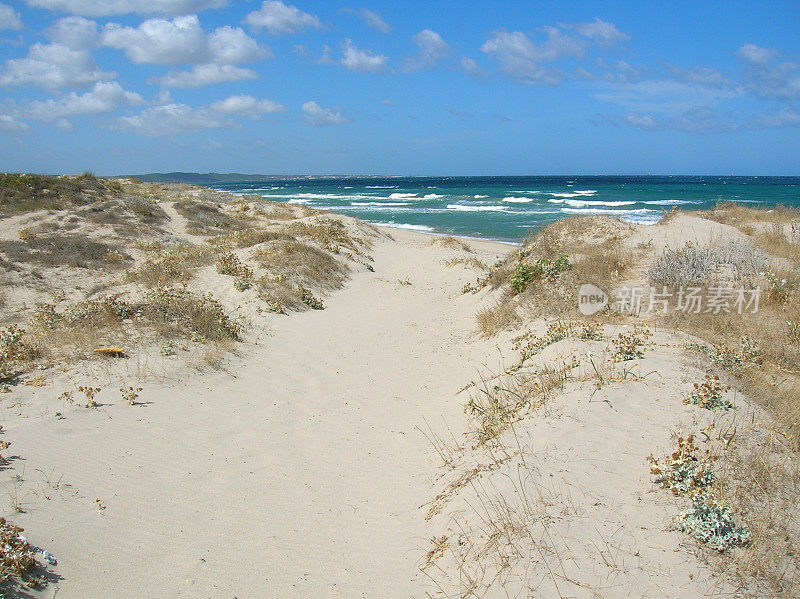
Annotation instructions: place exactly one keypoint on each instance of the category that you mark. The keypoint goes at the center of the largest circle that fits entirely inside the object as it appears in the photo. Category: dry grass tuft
(451, 243)
(501, 316)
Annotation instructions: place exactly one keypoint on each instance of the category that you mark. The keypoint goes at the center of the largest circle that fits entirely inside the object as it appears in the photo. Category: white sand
(301, 471)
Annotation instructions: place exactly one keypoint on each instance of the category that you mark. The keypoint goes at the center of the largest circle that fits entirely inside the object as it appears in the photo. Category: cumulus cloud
(603, 32)
(370, 18)
(244, 105)
(278, 18)
(522, 59)
(526, 60)
(52, 66)
(181, 41)
(361, 61)
(319, 116)
(205, 74)
(103, 98)
(471, 68)
(9, 18)
(431, 48)
(103, 8)
(74, 32)
(170, 119)
(11, 124)
(755, 54)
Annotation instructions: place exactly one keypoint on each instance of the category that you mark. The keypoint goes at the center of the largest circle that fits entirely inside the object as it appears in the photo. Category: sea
(511, 208)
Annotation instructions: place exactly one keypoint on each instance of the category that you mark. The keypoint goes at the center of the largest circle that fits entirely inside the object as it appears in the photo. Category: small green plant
(241, 284)
(10, 348)
(590, 331)
(309, 300)
(130, 394)
(523, 275)
(555, 332)
(626, 347)
(90, 393)
(708, 395)
(229, 264)
(711, 522)
(778, 288)
(683, 472)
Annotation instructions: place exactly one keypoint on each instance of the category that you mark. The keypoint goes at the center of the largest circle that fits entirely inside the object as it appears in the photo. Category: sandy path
(301, 476)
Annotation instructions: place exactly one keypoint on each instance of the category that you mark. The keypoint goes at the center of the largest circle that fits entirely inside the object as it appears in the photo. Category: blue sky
(412, 88)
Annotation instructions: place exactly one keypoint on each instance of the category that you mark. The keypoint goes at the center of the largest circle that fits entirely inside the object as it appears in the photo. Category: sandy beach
(386, 445)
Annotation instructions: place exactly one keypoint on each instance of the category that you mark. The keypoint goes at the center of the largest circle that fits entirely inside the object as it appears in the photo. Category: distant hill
(211, 178)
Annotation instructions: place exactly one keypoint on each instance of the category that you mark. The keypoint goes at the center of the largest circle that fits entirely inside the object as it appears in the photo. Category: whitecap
(574, 194)
(400, 196)
(432, 196)
(584, 203)
(669, 202)
(425, 228)
(379, 203)
(381, 186)
(463, 208)
(478, 197)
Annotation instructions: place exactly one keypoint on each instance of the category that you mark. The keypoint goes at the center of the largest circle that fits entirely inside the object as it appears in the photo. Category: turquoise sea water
(509, 208)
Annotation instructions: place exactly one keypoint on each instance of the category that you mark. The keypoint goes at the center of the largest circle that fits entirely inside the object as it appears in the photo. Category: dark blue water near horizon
(509, 208)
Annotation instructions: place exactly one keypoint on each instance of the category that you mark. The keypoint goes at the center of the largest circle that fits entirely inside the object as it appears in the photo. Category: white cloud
(756, 54)
(665, 96)
(103, 98)
(526, 60)
(74, 32)
(361, 61)
(244, 105)
(10, 124)
(370, 18)
(522, 59)
(182, 41)
(471, 68)
(9, 18)
(701, 76)
(102, 8)
(784, 118)
(431, 48)
(205, 74)
(279, 18)
(768, 77)
(170, 119)
(52, 66)
(699, 119)
(319, 116)
(603, 32)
